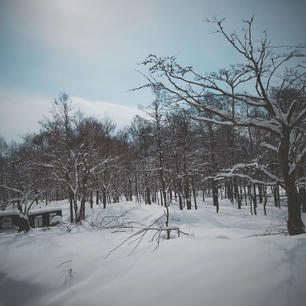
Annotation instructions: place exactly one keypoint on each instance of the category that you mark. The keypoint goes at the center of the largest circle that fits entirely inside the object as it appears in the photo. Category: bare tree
(265, 68)
(22, 185)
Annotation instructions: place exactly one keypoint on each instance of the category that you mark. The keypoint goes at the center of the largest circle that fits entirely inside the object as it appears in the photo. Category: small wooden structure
(37, 217)
(9, 219)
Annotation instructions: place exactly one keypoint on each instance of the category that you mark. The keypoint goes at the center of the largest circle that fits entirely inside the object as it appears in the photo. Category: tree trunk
(161, 197)
(104, 197)
(148, 196)
(245, 195)
(260, 195)
(302, 193)
(237, 194)
(82, 209)
(71, 209)
(254, 200)
(194, 195)
(180, 195)
(180, 201)
(91, 200)
(24, 224)
(295, 224)
(250, 199)
(130, 189)
(230, 191)
(276, 196)
(75, 206)
(214, 189)
(187, 194)
(265, 200)
(97, 197)
(170, 194)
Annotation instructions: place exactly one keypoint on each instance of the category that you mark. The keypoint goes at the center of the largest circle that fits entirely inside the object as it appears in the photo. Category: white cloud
(20, 112)
(120, 114)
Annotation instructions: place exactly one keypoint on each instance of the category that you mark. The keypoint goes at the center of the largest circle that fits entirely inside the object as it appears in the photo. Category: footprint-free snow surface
(229, 258)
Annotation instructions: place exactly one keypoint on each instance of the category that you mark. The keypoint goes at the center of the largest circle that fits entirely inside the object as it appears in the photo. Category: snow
(56, 220)
(43, 210)
(269, 146)
(31, 212)
(225, 261)
(8, 212)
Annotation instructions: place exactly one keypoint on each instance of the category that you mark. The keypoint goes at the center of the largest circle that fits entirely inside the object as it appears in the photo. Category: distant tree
(157, 118)
(141, 131)
(185, 160)
(22, 185)
(76, 152)
(4, 163)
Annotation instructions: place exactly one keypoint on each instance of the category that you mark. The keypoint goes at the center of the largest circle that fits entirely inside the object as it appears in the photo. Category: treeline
(165, 156)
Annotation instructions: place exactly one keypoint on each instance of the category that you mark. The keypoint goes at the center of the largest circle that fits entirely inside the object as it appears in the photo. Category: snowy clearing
(226, 260)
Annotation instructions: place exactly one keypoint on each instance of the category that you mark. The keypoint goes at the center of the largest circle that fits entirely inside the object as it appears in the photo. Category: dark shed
(37, 218)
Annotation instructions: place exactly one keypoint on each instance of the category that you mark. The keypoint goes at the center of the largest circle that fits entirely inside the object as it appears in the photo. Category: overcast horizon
(92, 49)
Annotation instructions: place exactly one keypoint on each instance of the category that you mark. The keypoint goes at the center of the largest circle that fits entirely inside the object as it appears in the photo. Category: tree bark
(276, 196)
(254, 200)
(187, 194)
(214, 189)
(148, 196)
(194, 195)
(295, 224)
(302, 194)
(237, 194)
(97, 197)
(71, 209)
(91, 199)
(265, 200)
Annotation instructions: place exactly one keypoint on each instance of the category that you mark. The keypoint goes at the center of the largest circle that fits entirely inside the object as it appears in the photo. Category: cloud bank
(21, 112)
(122, 115)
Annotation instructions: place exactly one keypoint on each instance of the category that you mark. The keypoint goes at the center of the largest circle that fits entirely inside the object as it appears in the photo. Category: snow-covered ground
(224, 261)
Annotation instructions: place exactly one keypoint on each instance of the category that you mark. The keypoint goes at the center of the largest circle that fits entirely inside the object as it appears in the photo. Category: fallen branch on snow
(141, 231)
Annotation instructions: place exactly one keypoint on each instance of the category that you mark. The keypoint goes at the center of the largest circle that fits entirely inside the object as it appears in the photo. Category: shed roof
(11, 212)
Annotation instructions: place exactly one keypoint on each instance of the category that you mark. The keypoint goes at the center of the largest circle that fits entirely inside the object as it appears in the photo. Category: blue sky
(91, 49)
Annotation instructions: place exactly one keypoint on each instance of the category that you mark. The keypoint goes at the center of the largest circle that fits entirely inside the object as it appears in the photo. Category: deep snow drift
(225, 261)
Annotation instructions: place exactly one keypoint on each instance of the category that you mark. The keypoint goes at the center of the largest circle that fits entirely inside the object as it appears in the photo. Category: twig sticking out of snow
(272, 230)
(63, 263)
(280, 232)
(142, 231)
(108, 224)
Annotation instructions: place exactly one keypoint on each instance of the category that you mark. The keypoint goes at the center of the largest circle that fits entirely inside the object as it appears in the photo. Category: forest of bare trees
(237, 133)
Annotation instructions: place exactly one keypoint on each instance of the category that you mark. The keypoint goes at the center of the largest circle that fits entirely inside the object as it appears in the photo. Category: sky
(92, 50)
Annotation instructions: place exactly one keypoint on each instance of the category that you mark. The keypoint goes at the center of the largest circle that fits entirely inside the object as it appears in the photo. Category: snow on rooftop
(8, 212)
(43, 210)
(31, 212)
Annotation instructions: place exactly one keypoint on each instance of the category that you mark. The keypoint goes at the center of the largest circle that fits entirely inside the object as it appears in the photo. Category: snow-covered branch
(269, 146)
